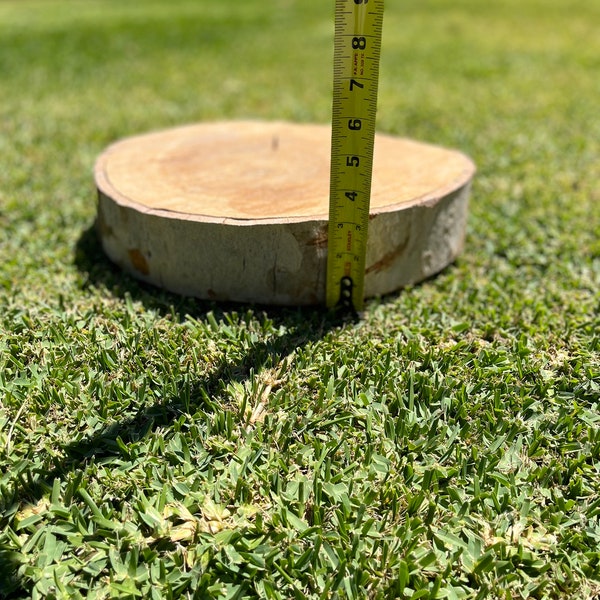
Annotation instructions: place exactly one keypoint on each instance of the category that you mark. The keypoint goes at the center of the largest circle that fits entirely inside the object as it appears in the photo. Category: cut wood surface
(238, 210)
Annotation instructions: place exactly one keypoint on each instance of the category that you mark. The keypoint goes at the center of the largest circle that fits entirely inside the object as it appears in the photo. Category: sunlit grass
(447, 446)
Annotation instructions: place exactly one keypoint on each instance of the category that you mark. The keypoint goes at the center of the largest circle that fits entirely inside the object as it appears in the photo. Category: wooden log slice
(239, 210)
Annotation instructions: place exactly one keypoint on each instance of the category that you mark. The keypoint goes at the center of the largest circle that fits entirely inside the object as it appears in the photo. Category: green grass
(447, 446)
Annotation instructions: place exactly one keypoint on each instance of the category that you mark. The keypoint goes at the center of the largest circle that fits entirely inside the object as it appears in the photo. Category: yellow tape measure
(357, 47)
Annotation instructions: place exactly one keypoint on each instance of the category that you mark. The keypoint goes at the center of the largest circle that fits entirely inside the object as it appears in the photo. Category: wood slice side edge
(282, 264)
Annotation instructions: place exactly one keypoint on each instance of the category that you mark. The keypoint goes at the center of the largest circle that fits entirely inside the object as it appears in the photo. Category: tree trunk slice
(238, 210)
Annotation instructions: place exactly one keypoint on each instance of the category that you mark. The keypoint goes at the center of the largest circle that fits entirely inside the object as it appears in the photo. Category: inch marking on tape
(357, 48)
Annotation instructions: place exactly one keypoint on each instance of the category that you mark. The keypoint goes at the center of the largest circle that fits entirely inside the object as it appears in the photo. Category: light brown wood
(238, 210)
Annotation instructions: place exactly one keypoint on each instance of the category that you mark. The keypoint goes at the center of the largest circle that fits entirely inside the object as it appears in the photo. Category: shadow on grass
(302, 326)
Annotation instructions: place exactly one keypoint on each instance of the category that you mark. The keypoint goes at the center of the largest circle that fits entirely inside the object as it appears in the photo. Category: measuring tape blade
(357, 48)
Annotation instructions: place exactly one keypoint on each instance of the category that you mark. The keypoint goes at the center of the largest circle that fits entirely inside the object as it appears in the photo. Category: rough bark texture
(238, 211)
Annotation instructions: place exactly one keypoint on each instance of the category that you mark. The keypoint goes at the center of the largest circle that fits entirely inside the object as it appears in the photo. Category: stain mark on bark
(388, 258)
(139, 262)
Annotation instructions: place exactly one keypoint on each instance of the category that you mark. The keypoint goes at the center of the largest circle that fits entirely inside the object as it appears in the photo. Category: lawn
(445, 446)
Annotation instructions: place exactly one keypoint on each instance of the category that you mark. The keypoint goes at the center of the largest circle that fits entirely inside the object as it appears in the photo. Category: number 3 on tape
(357, 48)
